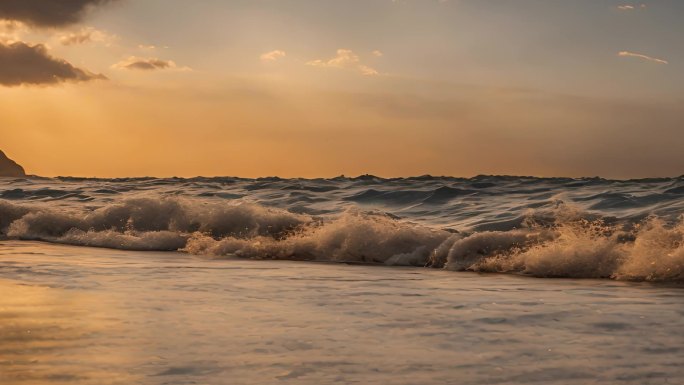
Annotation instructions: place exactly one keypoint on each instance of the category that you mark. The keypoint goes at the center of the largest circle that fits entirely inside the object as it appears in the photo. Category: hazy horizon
(354, 176)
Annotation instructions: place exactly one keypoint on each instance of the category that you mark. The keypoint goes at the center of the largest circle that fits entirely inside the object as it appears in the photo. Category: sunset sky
(327, 87)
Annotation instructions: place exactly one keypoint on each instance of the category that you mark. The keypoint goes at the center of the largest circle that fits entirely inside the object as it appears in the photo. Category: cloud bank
(33, 65)
(48, 13)
(22, 63)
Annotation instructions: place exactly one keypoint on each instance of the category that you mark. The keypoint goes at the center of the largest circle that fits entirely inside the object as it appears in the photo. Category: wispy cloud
(11, 31)
(378, 53)
(642, 56)
(345, 59)
(86, 35)
(148, 64)
(273, 56)
(628, 7)
(368, 71)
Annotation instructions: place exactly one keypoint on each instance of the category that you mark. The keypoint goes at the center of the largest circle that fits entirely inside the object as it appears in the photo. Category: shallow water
(552, 227)
(76, 315)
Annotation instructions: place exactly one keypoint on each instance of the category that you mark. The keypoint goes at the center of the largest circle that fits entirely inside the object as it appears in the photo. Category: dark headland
(10, 168)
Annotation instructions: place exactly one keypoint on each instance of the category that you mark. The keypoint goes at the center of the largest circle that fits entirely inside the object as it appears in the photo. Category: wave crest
(353, 237)
(651, 251)
(151, 214)
(558, 243)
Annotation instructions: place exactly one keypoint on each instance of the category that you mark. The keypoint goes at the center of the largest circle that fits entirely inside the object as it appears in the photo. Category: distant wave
(556, 241)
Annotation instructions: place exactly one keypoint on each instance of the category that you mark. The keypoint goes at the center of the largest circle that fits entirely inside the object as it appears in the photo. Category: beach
(97, 316)
(309, 192)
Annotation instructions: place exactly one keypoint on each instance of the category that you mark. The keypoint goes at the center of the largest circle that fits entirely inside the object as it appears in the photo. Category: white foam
(651, 251)
(352, 237)
(557, 243)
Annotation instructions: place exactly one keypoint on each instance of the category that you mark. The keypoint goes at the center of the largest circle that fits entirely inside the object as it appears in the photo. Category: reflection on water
(91, 316)
(47, 336)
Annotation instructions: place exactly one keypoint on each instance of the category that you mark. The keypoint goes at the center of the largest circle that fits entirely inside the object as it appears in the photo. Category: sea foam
(534, 230)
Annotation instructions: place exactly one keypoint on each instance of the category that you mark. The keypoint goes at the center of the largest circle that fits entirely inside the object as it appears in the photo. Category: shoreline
(102, 316)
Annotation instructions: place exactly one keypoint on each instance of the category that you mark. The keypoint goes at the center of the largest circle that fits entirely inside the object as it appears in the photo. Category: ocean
(426, 280)
(556, 227)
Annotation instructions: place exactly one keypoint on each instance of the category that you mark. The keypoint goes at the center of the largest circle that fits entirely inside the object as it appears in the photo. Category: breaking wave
(557, 241)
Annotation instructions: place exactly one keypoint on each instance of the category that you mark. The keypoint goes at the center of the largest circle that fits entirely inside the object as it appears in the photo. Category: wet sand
(75, 315)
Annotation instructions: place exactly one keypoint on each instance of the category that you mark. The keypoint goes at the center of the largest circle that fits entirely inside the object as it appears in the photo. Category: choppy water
(557, 227)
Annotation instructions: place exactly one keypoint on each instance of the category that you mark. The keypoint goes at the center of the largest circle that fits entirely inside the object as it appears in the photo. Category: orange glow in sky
(322, 88)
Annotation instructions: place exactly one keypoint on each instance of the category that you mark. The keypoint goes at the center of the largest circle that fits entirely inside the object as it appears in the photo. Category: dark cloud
(47, 13)
(134, 63)
(26, 64)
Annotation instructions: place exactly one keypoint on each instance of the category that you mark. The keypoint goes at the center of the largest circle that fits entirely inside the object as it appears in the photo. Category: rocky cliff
(8, 167)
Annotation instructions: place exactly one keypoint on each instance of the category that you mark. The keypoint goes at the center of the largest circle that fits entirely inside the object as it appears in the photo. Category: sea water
(74, 315)
(557, 227)
(368, 280)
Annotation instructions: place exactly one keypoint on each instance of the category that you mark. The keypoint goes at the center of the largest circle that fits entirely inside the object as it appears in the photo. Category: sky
(320, 88)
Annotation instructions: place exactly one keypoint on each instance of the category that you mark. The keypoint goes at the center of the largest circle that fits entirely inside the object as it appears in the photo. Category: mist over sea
(543, 227)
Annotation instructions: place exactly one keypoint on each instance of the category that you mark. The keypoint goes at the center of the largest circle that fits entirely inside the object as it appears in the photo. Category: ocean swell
(556, 242)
